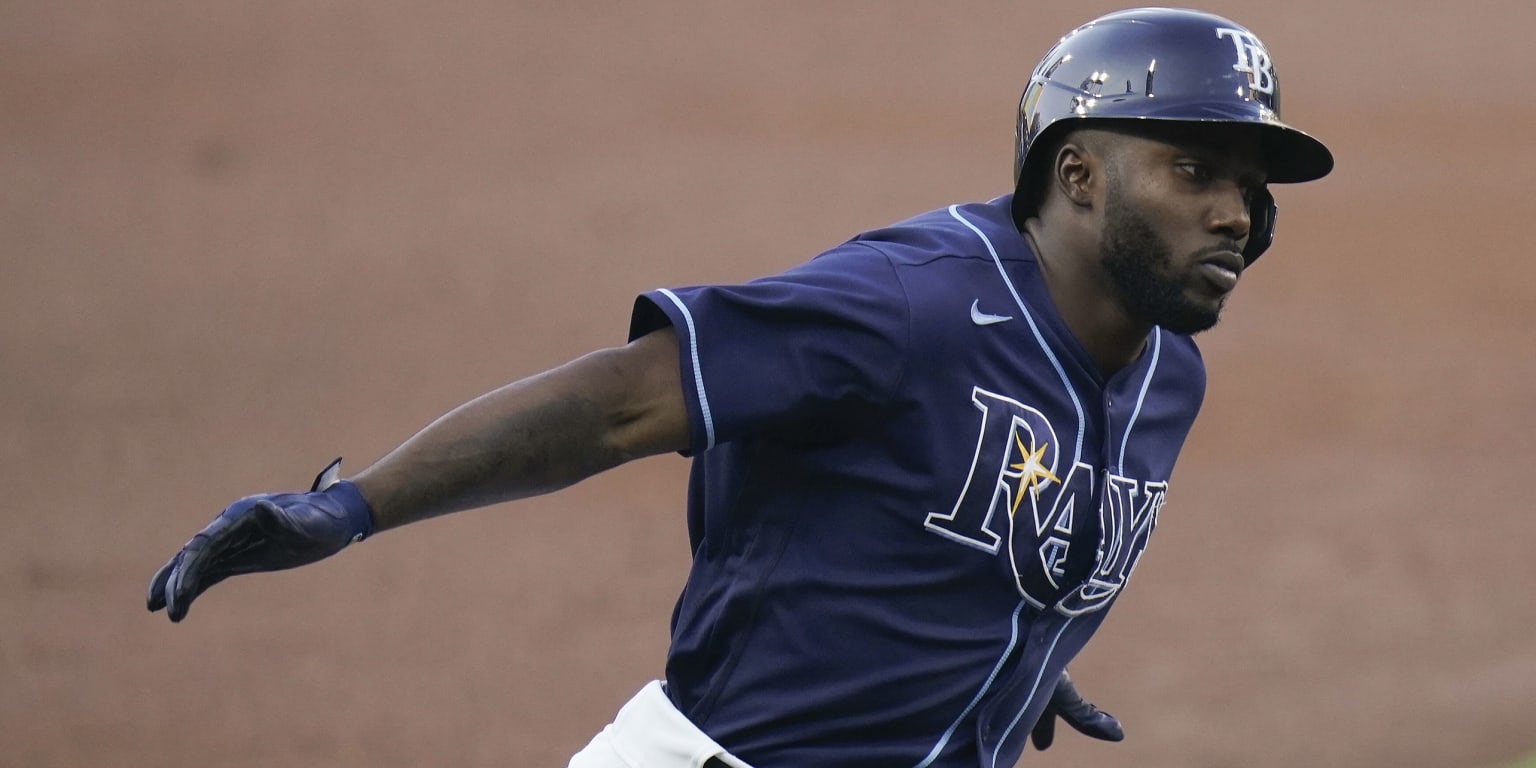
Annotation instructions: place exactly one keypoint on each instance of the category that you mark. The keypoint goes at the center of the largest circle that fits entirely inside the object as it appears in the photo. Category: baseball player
(925, 462)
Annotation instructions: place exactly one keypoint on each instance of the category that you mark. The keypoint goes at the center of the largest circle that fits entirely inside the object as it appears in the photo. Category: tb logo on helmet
(1252, 59)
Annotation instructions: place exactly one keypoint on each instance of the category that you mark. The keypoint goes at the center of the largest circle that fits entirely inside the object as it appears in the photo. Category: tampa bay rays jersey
(913, 495)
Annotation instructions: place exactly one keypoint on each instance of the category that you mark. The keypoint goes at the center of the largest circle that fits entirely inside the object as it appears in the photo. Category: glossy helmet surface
(1165, 64)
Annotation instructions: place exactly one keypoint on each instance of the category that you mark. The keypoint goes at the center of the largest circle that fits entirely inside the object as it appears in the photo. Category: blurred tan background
(240, 238)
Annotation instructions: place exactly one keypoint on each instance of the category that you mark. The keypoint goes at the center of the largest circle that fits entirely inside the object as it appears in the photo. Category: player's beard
(1140, 264)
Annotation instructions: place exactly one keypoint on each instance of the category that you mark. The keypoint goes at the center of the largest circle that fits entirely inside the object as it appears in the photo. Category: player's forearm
(532, 436)
(507, 444)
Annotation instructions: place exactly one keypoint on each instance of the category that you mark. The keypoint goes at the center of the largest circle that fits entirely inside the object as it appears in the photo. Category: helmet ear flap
(1261, 227)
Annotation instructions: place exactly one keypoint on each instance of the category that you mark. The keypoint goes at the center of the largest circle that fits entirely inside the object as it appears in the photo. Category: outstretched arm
(536, 435)
(529, 437)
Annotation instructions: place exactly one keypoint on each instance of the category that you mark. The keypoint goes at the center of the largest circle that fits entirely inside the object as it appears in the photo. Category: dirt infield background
(240, 238)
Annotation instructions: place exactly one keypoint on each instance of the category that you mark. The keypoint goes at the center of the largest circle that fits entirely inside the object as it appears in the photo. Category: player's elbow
(640, 388)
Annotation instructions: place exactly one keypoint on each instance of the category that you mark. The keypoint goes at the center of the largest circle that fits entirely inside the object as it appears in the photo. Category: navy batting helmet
(1164, 64)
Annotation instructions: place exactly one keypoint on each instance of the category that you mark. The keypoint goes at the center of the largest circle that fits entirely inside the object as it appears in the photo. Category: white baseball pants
(649, 732)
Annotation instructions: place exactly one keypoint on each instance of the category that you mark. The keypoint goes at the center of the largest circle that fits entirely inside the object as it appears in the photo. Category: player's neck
(1086, 301)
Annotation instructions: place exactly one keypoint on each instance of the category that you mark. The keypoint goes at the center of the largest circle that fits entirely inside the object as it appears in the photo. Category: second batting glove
(268, 532)
(1085, 718)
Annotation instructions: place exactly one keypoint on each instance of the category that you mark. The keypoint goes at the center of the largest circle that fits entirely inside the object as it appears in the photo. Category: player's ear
(1075, 170)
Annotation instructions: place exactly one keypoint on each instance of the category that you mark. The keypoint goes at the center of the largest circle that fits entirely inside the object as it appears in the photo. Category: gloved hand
(269, 532)
(1082, 716)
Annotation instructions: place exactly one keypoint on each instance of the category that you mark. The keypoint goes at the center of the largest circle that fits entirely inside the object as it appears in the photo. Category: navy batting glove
(269, 532)
(1082, 716)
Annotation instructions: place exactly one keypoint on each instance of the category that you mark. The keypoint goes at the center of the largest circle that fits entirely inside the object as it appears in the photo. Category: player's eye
(1195, 170)
(1253, 185)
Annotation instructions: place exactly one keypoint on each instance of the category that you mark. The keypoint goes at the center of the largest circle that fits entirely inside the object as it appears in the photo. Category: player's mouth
(1221, 269)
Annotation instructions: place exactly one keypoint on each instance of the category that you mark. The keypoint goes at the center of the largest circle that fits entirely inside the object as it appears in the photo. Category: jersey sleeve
(798, 356)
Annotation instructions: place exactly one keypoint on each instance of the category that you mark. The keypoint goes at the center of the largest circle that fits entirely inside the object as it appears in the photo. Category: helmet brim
(1291, 156)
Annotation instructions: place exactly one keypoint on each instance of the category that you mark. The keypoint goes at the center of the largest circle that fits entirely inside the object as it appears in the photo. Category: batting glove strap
(359, 515)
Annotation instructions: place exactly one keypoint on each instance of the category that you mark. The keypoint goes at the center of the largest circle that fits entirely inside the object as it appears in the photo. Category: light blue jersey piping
(698, 373)
(1039, 673)
(1081, 427)
(1141, 397)
(1013, 640)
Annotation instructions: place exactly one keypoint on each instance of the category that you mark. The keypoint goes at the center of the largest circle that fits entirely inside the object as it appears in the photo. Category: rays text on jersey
(1022, 496)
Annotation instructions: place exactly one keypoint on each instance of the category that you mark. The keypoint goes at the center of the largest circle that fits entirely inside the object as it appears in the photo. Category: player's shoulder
(982, 231)
(1183, 345)
(1180, 355)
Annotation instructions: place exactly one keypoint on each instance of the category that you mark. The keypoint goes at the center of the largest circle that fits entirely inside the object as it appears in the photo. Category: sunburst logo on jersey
(1031, 472)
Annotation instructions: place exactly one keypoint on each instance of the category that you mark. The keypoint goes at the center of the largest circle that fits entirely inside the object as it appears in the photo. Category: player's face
(1176, 217)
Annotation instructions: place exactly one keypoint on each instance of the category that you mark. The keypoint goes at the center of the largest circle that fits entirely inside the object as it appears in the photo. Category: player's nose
(1230, 213)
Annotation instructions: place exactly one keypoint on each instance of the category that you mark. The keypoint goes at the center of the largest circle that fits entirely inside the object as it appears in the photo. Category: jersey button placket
(1108, 426)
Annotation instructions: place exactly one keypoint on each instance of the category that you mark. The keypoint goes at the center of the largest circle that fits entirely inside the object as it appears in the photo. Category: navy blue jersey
(913, 496)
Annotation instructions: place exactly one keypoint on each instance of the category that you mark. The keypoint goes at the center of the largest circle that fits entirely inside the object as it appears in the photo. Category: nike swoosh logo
(982, 318)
